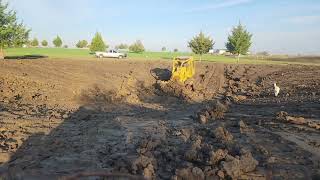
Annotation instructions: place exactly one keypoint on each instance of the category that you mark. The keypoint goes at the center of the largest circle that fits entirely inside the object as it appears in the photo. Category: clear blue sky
(279, 26)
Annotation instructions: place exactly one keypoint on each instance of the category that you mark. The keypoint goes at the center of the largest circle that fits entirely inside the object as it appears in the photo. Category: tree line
(57, 42)
(15, 34)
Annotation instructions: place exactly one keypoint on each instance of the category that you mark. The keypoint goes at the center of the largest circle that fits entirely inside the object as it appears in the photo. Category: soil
(73, 118)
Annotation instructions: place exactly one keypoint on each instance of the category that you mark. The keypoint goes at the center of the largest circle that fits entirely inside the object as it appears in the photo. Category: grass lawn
(50, 52)
(84, 53)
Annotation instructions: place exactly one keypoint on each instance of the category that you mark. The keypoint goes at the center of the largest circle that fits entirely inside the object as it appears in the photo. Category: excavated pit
(61, 118)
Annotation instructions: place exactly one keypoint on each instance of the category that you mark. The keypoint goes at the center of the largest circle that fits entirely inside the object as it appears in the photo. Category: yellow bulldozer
(183, 68)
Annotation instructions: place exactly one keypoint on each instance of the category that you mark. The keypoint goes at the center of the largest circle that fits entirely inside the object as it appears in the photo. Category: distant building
(218, 51)
(221, 51)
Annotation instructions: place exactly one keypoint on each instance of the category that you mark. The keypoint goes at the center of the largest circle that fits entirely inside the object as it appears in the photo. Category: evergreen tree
(201, 44)
(97, 43)
(239, 41)
(57, 42)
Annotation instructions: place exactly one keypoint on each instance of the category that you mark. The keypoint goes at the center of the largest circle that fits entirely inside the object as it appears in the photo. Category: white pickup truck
(111, 54)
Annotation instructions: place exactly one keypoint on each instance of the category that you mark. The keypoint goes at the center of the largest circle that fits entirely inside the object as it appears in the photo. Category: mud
(284, 116)
(204, 86)
(66, 118)
(215, 111)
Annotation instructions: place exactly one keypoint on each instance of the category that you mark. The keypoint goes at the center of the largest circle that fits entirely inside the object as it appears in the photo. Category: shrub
(82, 44)
(137, 47)
(44, 43)
(34, 42)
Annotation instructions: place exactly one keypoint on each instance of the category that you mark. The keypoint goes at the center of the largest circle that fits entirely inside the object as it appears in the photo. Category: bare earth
(59, 118)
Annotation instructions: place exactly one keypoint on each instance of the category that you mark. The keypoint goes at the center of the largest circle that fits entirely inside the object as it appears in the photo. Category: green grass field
(85, 53)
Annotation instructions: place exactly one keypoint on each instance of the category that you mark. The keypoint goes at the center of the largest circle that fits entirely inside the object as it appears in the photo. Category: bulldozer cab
(183, 68)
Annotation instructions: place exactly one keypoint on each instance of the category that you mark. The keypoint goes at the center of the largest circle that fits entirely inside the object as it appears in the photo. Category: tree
(239, 41)
(97, 43)
(34, 42)
(82, 44)
(175, 50)
(201, 44)
(122, 46)
(163, 49)
(44, 43)
(79, 45)
(65, 46)
(57, 42)
(12, 33)
(137, 47)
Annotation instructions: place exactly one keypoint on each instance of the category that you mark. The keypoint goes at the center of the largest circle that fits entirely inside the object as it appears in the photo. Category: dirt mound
(129, 91)
(215, 111)
(234, 167)
(206, 84)
(223, 134)
(189, 155)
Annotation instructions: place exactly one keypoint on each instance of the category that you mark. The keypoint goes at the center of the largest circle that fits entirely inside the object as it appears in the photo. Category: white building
(221, 51)
(218, 51)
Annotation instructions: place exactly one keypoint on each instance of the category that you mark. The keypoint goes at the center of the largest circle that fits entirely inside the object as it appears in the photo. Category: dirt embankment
(62, 117)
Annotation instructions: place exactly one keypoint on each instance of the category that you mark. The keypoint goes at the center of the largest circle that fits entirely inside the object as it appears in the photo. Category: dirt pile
(223, 134)
(129, 91)
(132, 90)
(241, 83)
(214, 111)
(186, 156)
(193, 153)
(207, 83)
(234, 167)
